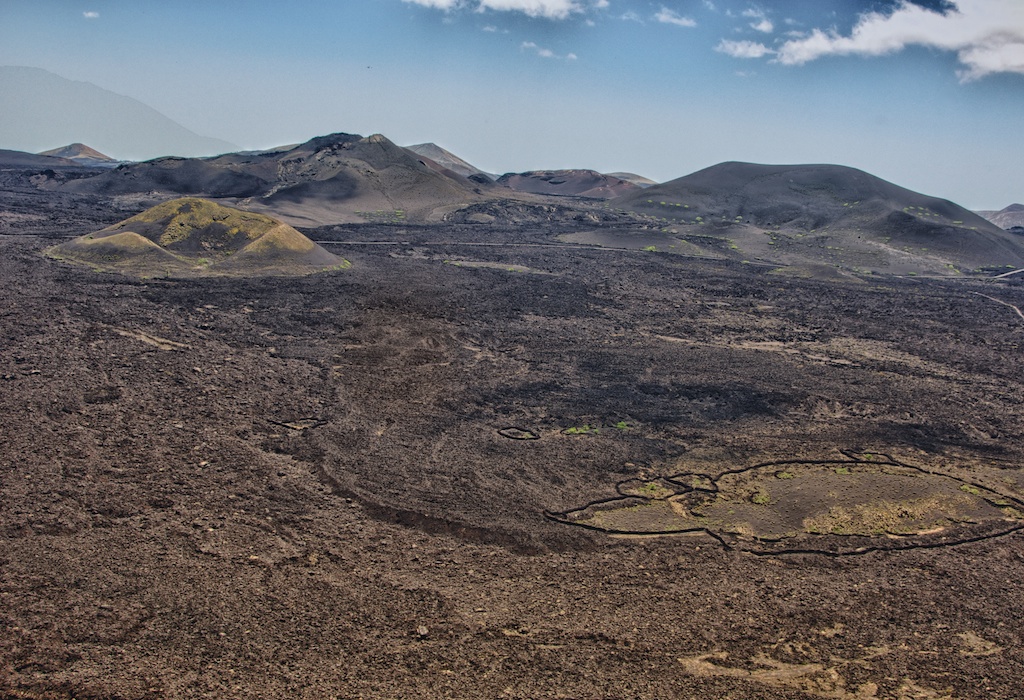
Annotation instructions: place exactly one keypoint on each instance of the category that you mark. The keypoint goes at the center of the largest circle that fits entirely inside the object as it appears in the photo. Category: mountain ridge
(336, 178)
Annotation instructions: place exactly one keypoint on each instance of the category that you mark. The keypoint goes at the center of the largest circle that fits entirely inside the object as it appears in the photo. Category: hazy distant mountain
(329, 179)
(81, 154)
(447, 159)
(40, 109)
(635, 179)
(575, 183)
(825, 214)
(1010, 217)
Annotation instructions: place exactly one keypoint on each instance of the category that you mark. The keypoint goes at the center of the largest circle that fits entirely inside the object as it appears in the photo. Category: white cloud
(743, 49)
(762, 23)
(91, 15)
(987, 36)
(630, 16)
(545, 53)
(667, 16)
(439, 4)
(490, 28)
(551, 9)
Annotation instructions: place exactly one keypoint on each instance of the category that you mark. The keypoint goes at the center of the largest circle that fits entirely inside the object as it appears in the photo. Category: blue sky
(929, 95)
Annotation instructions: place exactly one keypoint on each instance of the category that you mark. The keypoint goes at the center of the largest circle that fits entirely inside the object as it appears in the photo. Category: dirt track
(298, 488)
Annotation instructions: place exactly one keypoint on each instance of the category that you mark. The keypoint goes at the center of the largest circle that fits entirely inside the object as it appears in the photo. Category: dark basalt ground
(318, 487)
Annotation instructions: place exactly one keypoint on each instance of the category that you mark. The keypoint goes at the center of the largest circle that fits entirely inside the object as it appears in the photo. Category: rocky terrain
(369, 482)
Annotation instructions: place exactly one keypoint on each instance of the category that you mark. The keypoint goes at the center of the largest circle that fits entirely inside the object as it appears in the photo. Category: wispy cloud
(550, 9)
(545, 53)
(743, 49)
(667, 16)
(761, 22)
(630, 16)
(438, 4)
(987, 36)
(91, 15)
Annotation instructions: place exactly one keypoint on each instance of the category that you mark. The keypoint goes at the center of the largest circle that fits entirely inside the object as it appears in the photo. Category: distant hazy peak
(77, 151)
(447, 159)
(1007, 217)
(40, 109)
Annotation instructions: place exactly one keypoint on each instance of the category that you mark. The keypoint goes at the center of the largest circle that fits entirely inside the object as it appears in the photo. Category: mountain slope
(37, 105)
(81, 154)
(826, 214)
(1007, 218)
(21, 159)
(447, 159)
(337, 178)
(639, 180)
(192, 236)
(573, 183)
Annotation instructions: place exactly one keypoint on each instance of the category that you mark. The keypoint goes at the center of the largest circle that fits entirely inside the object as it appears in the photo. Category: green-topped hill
(192, 236)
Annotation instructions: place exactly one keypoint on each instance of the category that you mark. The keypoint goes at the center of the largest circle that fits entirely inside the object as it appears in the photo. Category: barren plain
(367, 483)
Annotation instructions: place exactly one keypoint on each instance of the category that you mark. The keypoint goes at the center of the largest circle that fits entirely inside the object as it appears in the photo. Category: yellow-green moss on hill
(192, 236)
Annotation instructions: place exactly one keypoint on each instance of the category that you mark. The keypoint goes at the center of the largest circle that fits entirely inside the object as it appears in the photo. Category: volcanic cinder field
(505, 445)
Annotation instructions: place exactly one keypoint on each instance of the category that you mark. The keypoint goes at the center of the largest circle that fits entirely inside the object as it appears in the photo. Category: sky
(926, 94)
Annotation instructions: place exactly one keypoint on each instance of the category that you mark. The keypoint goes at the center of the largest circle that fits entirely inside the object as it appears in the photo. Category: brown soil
(319, 487)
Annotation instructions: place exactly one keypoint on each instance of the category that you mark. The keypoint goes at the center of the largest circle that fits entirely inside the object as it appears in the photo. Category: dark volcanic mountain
(190, 236)
(111, 122)
(825, 214)
(447, 159)
(82, 155)
(21, 159)
(574, 183)
(639, 180)
(1007, 218)
(330, 179)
